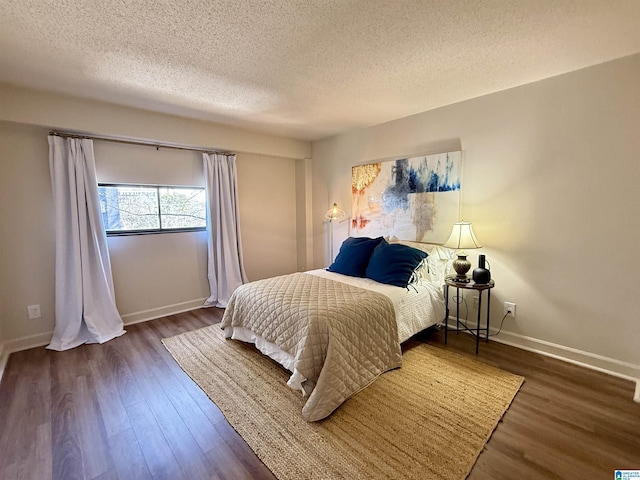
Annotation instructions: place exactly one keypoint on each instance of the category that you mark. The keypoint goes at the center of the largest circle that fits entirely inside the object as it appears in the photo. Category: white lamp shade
(462, 237)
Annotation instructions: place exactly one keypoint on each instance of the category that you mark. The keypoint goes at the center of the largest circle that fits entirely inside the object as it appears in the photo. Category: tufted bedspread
(341, 337)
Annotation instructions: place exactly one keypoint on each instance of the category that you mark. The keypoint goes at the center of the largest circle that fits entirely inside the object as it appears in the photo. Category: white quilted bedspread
(340, 336)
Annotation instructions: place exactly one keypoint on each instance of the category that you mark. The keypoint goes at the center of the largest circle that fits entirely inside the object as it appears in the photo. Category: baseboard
(153, 313)
(610, 366)
(3, 360)
(30, 341)
(42, 339)
(593, 361)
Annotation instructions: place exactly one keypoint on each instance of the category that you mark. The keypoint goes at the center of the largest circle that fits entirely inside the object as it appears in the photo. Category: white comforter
(417, 307)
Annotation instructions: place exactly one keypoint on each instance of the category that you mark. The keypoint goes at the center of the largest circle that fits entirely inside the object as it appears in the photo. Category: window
(139, 209)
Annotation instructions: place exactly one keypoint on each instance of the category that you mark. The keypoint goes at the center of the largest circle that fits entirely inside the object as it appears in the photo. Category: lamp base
(461, 265)
(459, 279)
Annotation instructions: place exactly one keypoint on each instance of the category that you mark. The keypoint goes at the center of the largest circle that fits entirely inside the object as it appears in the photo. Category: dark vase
(481, 275)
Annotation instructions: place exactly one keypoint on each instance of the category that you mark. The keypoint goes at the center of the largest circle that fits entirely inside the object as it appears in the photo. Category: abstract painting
(414, 199)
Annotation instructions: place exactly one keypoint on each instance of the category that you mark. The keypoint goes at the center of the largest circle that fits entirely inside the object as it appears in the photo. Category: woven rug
(429, 419)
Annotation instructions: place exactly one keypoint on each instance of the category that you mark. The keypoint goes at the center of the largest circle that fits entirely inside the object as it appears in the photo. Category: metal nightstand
(450, 281)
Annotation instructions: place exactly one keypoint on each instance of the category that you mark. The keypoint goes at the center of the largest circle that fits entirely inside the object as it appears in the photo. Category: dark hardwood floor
(125, 410)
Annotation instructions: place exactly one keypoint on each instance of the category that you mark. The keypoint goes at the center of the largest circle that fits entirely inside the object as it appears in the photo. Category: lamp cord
(459, 299)
(501, 323)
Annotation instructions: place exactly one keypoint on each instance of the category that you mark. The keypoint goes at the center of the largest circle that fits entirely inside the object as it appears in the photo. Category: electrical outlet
(34, 311)
(475, 302)
(510, 309)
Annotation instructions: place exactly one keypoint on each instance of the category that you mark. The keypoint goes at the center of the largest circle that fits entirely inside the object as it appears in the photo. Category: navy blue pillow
(394, 263)
(354, 255)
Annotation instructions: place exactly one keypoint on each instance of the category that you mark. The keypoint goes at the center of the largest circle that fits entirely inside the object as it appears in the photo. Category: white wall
(551, 185)
(2, 249)
(304, 213)
(3, 355)
(170, 270)
(154, 275)
(267, 197)
(32, 107)
(27, 256)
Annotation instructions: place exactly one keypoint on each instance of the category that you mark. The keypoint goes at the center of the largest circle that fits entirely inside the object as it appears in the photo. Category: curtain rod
(158, 145)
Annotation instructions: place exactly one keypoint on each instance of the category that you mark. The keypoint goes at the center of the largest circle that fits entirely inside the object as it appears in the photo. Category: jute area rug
(429, 419)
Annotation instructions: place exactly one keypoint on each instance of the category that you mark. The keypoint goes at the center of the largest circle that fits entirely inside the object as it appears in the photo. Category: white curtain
(225, 265)
(85, 302)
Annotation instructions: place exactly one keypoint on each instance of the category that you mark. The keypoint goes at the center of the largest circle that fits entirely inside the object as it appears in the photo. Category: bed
(337, 331)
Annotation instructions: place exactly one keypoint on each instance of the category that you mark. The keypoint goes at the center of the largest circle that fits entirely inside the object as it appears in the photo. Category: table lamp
(461, 238)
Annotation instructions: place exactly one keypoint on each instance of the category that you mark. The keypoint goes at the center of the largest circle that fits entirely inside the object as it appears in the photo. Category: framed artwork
(415, 199)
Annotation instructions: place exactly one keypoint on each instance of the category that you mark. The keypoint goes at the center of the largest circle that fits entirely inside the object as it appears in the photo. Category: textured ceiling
(304, 68)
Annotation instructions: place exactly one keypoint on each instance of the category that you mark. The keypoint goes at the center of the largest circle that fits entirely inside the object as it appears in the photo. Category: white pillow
(438, 263)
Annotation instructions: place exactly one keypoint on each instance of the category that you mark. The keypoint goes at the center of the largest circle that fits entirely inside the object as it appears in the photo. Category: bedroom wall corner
(332, 162)
(304, 214)
(3, 355)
